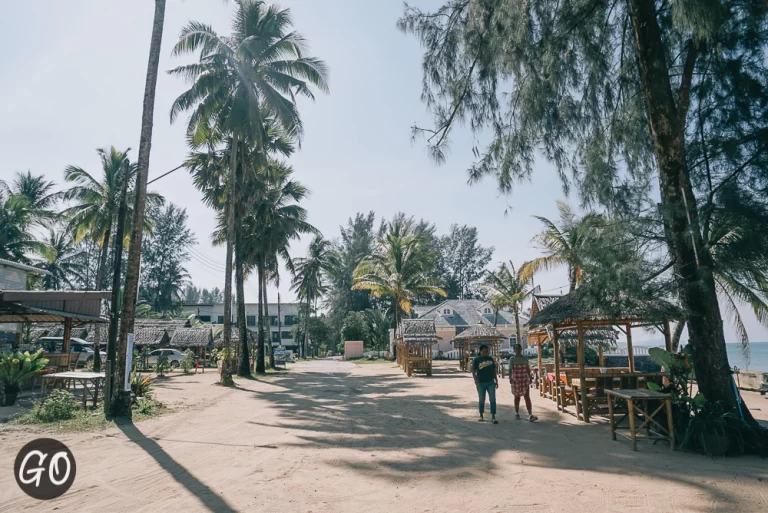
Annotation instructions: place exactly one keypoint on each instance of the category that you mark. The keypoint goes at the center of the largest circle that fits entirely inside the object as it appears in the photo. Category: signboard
(128, 362)
(279, 355)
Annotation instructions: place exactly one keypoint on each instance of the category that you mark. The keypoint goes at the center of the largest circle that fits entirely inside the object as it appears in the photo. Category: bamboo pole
(600, 360)
(582, 375)
(541, 383)
(630, 351)
(667, 336)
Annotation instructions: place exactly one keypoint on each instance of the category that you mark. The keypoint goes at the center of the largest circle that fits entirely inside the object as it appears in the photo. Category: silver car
(174, 356)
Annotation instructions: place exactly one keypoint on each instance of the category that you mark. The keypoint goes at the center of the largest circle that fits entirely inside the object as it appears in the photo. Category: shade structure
(587, 313)
(414, 346)
(474, 337)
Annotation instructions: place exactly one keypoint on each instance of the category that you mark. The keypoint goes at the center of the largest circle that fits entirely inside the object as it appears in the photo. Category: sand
(332, 436)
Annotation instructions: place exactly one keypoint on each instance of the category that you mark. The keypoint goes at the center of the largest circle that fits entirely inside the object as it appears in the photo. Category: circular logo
(45, 469)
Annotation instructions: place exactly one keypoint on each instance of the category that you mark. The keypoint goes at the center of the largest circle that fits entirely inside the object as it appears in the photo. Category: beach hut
(415, 347)
(151, 338)
(197, 339)
(474, 337)
(583, 311)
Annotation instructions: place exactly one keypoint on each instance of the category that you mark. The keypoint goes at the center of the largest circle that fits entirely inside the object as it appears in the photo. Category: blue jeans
(482, 388)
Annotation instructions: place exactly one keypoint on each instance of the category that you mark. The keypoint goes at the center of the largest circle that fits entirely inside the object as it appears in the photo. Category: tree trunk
(306, 329)
(121, 403)
(676, 334)
(279, 319)
(572, 278)
(113, 317)
(226, 369)
(517, 326)
(693, 263)
(244, 365)
(102, 268)
(495, 317)
(260, 365)
(269, 331)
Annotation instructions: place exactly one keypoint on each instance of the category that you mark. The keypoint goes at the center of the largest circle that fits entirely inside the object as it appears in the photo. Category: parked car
(76, 345)
(763, 388)
(174, 356)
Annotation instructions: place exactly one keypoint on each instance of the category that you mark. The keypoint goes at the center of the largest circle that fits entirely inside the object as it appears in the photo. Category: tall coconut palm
(238, 83)
(310, 277)
(40, 193)
(398, 268)
(563, 244)
(509, 289)
(62, 259)
(16, 219)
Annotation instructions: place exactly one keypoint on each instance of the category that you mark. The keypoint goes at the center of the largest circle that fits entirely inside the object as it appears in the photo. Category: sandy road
(330, 436)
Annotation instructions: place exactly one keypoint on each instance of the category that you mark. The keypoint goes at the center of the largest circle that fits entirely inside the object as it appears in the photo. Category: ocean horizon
(758, 354)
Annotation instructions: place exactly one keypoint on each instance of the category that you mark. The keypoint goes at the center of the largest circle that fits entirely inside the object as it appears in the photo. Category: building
(13, 276)
(453, 316)
(289, 313)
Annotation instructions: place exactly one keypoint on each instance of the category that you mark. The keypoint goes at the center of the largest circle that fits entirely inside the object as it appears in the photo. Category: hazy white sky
(73, 81)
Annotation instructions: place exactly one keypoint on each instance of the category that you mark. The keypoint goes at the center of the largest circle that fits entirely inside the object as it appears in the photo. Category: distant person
(486, 381)
(520, 379)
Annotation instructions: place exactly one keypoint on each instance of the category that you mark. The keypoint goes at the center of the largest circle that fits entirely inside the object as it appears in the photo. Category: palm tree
(563, 244)
(310, 273)
(16, 218)
(96, 202)
(120, 404)
(61, 258)
(398, 268)
(508, 289)
(239, 82)
(40, 194)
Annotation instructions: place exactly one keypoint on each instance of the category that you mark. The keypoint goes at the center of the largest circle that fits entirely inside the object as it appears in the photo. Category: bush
(162, 366)
(141, 386)
(58, 406)
(145, 406)
(188, 362)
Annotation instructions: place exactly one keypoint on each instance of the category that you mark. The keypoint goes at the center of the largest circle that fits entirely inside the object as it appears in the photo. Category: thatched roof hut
(151, 337)
(185, 338)
(580, 305)
(480, 333)
(46, 329)
(419, 331)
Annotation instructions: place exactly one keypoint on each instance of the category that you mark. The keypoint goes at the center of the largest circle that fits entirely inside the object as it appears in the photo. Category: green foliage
(60, 405)
(15, 367)
(462, 262)
(162, 366)
(141, 386)
(163, 254)
(146, 406)
(187, 363)
(354, 327)
(62, 259)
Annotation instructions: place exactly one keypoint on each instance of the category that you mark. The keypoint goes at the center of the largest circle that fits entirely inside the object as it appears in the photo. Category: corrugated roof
(23, 267)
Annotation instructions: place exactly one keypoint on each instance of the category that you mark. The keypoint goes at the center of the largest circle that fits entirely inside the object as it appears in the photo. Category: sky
(73, 82)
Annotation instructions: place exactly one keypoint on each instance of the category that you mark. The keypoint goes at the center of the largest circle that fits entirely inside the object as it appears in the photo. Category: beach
(332, 436)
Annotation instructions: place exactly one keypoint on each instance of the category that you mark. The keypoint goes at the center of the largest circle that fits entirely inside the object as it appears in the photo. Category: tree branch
(685, 84)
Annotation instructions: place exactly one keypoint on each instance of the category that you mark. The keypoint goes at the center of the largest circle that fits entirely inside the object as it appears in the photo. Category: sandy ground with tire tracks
(331, 436)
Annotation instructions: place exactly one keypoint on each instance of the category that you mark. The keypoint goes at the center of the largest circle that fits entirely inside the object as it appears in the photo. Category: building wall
(12, 278)
(288, 313)
(353, 349)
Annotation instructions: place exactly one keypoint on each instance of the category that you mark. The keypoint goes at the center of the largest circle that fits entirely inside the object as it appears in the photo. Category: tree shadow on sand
(378, 415)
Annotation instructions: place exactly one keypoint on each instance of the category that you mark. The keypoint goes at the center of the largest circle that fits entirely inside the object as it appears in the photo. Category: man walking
(486, 381)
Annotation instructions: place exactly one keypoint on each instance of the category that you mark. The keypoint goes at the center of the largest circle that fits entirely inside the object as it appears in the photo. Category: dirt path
(331, 436)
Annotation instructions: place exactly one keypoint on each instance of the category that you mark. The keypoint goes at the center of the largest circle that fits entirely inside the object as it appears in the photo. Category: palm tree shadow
(181, 475)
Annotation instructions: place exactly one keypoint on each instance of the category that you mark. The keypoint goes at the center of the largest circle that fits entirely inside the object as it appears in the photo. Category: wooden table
(625, 380)
(91, 382)
(637, 404)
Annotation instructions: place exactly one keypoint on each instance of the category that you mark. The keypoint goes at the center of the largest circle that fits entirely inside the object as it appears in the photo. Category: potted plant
(15, 368)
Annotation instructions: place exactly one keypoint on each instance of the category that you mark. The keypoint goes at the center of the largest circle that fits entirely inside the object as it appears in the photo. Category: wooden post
(67, 335)
(541, 383)
(582, 375)
(600, 359)
(630, 351)
(667, 336)
(556, 349)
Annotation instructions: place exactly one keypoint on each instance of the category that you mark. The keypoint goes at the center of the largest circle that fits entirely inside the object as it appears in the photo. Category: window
(204, 318)
(273, 320)
(156, 352)
(287, 335)
(289, 320)
(447, 311)
(512, 340)
(221, 319)
(250, 320)
(275, 337)
(487, 310)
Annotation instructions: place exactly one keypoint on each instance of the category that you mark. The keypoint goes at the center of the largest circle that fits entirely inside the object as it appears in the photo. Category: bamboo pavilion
(414, 347)
(474, 337)
(555, 317)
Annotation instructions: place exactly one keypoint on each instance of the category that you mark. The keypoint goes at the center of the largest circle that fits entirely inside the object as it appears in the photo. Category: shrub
(141, 386)
(162, 366)
(188, 362)
(58, 406)
(145, 406)
(16, 367)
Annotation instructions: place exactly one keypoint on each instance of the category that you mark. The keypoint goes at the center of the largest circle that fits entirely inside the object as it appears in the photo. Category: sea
(758, 356)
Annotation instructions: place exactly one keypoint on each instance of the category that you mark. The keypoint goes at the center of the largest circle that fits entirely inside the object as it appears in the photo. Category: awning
(51, 306)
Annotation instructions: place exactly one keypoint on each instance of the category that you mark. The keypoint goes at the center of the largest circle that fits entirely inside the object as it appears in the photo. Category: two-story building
(289, 314)
(453, 316)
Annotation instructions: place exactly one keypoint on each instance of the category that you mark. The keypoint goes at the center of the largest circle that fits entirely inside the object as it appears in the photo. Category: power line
(206, 258)
(165, 174)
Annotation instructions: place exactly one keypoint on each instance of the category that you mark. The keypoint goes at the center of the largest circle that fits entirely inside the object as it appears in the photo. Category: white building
(289, 312)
